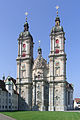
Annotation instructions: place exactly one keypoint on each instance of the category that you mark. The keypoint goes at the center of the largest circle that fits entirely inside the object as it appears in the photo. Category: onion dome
(39, 51)
(57, 20)
(57, 27)
(26, 32)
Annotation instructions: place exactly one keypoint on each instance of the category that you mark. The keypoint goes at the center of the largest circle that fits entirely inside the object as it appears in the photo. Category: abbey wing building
(42, 86)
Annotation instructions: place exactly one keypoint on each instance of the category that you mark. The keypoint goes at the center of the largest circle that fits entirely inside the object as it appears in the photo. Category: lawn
(37, 115)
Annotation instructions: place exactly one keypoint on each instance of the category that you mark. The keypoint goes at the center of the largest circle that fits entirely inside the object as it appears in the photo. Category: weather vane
(57, 7)
(39, 43)
(26, 13)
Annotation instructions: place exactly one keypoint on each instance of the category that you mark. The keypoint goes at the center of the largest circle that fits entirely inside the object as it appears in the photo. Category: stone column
(51, 97)
(63, 98)
(20, 77)
(67, 99)
(34, 93)
(42, 106)
(28, 97)
(52, 44)
(19, 48)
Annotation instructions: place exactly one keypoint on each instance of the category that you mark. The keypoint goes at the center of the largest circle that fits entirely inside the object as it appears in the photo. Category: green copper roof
(25, 34)
(9, 82)
(57, 29)
(57, 19)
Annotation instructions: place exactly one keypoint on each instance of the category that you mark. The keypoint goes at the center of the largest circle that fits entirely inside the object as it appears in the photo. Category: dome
(57, 29)
(57, 19)
(25, 34)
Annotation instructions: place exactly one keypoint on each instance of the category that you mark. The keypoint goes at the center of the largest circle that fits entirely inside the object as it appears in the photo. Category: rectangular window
(6, 94)
(9, 94)
(3, 106)
(6, 106)
(9, 87)
(9, 100)
(9, 107)
(15, 106)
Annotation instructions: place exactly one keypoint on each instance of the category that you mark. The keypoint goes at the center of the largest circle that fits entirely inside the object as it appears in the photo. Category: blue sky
(41, 19)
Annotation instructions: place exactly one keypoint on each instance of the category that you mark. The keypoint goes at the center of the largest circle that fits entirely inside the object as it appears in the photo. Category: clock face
(23, 54)
(57, 41)
(56, 51)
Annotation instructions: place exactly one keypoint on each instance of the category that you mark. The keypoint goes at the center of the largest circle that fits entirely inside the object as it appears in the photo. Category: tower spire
(39, 43)
(26, 26)
(26, 13)
(39, 49)
(57, 20)
(57, 7)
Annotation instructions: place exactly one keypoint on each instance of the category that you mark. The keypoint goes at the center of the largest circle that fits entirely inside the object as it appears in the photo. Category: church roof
(40, 62)
(77, 100)
(2, 85)
(9, 78)
(68, 85)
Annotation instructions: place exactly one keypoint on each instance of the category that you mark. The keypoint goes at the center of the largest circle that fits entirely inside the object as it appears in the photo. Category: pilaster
(42, 106)
(51, 97)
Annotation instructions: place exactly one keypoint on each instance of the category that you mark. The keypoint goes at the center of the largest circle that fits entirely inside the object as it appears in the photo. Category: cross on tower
(57, 7)
(26, 13)
(39, 43)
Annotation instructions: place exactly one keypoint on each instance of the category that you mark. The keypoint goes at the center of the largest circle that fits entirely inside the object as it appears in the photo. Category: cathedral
(42, 86)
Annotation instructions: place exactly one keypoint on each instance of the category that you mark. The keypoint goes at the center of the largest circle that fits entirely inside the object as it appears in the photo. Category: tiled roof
(14, 81)
(15, 92)
(2, 85)
(69, 85)
(77, 100)
(11, 78)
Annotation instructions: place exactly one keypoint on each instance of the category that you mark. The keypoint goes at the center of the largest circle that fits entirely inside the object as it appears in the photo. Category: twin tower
(42, 86)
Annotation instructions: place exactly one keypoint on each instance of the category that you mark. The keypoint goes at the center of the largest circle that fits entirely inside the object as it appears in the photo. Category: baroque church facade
(42, 86)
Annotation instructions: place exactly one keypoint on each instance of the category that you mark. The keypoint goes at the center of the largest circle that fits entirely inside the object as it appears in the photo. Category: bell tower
(57, 68)
(24, 68)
